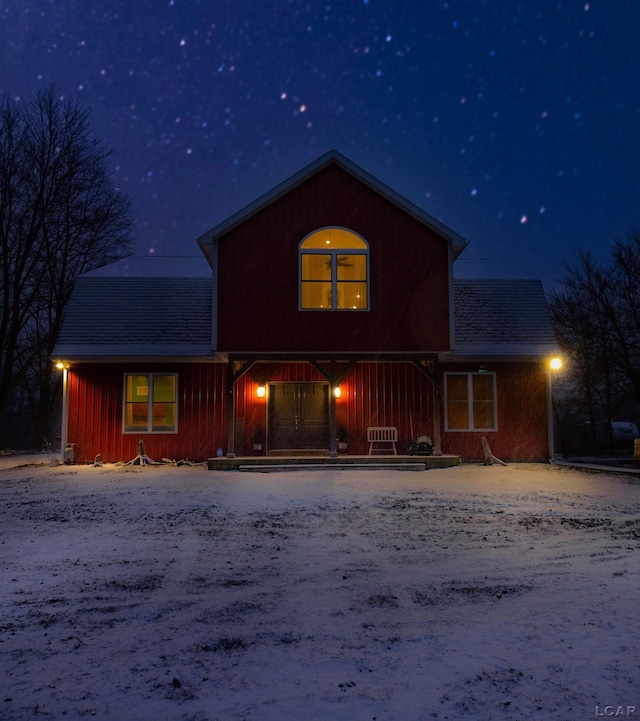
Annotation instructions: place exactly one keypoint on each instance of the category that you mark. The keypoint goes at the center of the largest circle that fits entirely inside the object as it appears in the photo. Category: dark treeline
(60, 216)
(596, 312)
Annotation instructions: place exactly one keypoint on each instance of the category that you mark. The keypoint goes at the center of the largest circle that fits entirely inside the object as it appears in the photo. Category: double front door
(298, 416)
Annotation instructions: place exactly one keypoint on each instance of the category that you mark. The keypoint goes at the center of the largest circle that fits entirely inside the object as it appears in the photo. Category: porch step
(314, 453)
(267, 463)
(271, 467)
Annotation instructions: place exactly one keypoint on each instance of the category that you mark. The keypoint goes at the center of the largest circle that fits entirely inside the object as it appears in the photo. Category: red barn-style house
(325, 308)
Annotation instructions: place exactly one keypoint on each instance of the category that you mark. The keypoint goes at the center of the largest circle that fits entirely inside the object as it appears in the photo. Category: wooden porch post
(236, 368)
(333, 442)
(337, 371)
(429, 366)
(231, 413)
(437, 416)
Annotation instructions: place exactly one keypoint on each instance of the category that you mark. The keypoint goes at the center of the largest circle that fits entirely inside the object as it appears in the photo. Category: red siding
(398, 394)
(258, 275)
(385, 394)
(96, 391)
(522, 433)
(373, 394)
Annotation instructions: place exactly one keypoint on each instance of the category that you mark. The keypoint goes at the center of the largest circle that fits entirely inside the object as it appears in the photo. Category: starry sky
(514, 122)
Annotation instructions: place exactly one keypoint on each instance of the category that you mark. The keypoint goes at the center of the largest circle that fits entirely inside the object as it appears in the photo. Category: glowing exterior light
(555, 364)
(61, 365)
(337, 392)
(261, 391)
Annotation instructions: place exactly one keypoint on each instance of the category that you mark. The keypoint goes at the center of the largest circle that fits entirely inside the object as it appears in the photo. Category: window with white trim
(150, 403)
(334, 271)
(470, 401)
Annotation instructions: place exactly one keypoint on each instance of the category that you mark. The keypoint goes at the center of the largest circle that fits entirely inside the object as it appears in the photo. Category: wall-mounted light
(261, 392)
(554, 365)
(337, 392)
(62, 365)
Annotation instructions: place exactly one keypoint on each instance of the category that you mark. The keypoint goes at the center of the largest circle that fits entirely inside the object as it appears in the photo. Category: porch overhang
(333, 367)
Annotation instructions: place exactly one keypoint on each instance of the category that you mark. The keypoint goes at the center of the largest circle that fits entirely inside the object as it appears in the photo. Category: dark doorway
(298, 416)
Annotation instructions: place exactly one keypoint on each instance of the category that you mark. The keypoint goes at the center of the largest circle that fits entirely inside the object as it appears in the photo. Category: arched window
(334, 271)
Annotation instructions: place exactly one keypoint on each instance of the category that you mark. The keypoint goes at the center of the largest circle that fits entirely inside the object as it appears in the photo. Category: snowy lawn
(156, 594)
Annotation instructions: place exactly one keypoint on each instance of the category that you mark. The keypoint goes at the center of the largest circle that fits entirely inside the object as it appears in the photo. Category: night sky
(515, 122)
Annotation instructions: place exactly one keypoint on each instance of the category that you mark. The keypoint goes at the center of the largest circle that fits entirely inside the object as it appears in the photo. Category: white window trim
(334, 253)
(149, 430)
(471, 428)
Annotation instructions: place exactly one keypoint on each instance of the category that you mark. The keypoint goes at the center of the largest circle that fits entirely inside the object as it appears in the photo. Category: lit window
(470, 400)
(150, 403)
(334, 270)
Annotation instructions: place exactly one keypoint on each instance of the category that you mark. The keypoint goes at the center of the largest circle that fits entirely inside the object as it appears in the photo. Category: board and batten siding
(258, 276)
(521, 390)
(96, 426)
(373, 394)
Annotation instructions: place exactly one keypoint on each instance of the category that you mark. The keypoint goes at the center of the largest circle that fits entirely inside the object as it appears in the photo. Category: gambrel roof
(502, 318)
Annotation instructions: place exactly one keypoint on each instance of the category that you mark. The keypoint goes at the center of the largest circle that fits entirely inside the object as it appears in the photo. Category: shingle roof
(502, 318)
(148, 313)
(137, 316)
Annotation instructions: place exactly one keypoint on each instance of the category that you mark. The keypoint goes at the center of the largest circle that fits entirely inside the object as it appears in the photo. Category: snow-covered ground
(160, 593)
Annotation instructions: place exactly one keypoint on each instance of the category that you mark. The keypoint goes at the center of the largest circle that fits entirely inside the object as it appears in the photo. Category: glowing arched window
(334, 271)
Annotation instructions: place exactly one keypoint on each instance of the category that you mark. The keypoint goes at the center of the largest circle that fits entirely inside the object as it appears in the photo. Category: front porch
(266, 464)
(326, 404)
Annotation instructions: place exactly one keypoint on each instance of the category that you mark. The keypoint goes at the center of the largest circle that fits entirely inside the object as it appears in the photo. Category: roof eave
(511, 353)
(458, 243)
(111, 354)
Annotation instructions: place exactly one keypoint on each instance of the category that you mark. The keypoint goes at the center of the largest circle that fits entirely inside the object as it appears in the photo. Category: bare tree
(577, 323)
(622, 306)
(597, 320)
(60, 216)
